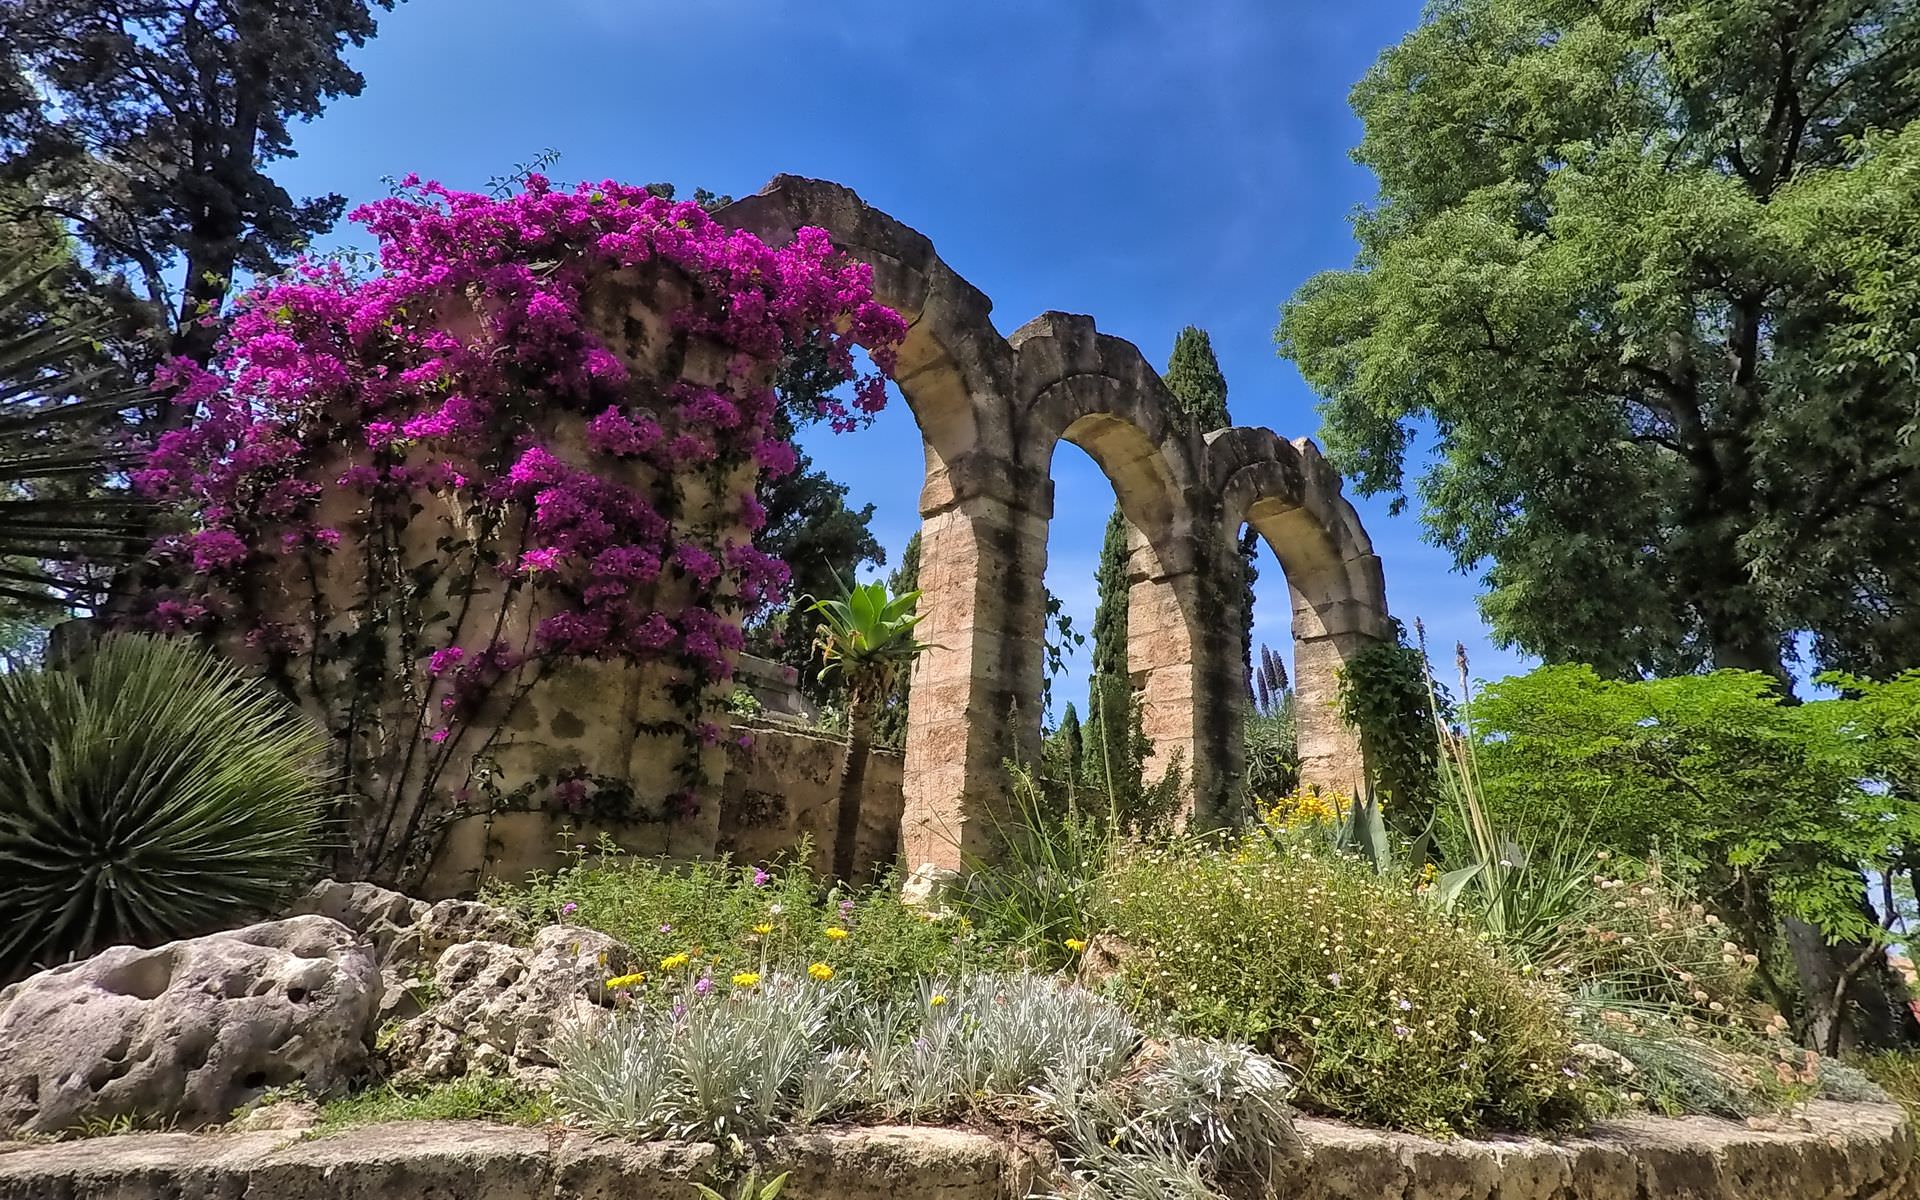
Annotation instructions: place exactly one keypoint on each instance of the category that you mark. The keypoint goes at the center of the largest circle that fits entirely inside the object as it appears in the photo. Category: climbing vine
(1383, 696)
(529, 438)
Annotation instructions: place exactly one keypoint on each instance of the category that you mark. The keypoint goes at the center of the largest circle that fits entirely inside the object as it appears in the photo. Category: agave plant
(866, 637)
(63, 522)
(147, 792)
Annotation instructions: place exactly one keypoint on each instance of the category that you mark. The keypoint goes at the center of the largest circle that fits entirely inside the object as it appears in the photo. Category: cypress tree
(1109, 689)
(1200, 394)
(1193, 376)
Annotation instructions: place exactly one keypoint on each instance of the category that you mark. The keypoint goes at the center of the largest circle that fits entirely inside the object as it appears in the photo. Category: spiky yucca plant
(148, 791)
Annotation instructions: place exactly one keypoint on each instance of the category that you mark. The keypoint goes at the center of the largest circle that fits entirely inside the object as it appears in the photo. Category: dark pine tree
(147, 129)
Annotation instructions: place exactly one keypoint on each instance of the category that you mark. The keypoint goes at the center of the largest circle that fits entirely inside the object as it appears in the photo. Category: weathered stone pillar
(976, 695)
(1183, 654)
(1337, 612)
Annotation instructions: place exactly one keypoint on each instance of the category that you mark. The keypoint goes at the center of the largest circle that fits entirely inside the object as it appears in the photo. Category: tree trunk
(861, 710)
(1853, 999)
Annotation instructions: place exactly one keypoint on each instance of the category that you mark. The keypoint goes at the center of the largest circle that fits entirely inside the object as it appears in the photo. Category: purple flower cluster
(446, 381)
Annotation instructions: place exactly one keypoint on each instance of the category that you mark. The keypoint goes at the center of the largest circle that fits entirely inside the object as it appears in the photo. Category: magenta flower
(422, 411)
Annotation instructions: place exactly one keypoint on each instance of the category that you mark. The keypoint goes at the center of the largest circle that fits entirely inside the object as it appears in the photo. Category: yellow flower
(673, 962)
(763, 929)
(746, 979)
(936, 1000)
(836, 933)
(1076, 945)
(820, 971)
(627, 981)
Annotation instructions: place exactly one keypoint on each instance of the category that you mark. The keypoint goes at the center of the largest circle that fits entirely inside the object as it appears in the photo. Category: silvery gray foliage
(1223, 1101)
(1199, 1112)
(993, 1035)
(1111, 1154)
(796, 1050)
(1192, 1115)
(716, 1067)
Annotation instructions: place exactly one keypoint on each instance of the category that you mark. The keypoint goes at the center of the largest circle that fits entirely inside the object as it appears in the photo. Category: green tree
(1637, 271)
(1772, 806)
(1193, 376)
(866, 639)
(1112, 764)
(148, 127)
(1066, 748)
(61, 405)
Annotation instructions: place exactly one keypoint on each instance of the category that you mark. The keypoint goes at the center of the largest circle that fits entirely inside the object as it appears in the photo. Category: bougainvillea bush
(526, 444)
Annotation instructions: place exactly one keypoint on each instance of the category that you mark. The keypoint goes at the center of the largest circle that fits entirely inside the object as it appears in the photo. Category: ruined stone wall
(992, 410)
(781, 788)
(785, 788)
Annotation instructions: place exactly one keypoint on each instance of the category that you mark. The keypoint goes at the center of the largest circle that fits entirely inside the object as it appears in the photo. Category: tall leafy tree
(1636, 270)
(866, 639)
(62, 406)
(1193, 376)
(147, 127)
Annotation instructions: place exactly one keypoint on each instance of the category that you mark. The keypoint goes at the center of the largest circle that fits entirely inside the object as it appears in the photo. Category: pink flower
(216, 550)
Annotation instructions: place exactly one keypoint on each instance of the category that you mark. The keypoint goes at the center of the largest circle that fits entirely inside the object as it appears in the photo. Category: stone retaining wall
(1833, 1152)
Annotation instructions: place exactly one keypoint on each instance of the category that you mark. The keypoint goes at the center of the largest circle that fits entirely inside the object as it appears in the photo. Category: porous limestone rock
(928, 885)
(187, 1032)
(381, 916)
(408, 935)
(498, 1007)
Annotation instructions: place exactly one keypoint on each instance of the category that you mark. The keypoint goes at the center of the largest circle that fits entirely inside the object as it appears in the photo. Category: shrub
(1760, 798)
(1389, 1012)
(725, 918)
(1034, 895)
(735, 1060)
(1636, 934)
(1677, 1073)
(147, 792)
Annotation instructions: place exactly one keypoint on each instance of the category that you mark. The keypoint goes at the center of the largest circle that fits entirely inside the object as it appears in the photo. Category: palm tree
(63, 520)
(867, 637)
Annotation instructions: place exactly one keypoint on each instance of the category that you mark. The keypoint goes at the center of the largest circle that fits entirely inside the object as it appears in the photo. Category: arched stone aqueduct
(991, 410)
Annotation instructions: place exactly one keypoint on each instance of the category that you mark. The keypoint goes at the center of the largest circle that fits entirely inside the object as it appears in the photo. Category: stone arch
(991, 411)
(1099, 393)
(1291, 497)
(983, 519)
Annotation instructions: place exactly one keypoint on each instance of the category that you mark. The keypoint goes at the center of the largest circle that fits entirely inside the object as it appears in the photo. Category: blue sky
(1150, 163)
